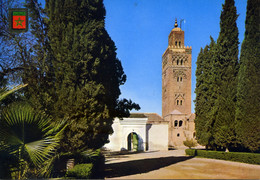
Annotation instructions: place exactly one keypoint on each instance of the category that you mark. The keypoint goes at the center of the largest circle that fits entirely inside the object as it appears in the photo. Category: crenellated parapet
(179, 47)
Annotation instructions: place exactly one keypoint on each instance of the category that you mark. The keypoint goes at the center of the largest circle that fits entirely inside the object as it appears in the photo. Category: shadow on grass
(140, 166)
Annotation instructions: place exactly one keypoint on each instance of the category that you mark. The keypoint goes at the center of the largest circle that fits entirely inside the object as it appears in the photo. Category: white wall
(122, 128)
(158, 137)
(115, 138)
(155, 134)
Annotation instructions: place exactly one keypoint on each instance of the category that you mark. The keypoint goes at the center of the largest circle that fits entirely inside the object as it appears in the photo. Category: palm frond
(10, 137)
(5, 92)
(22, 128)
(47, 169)
(57, 128)
(41, 150)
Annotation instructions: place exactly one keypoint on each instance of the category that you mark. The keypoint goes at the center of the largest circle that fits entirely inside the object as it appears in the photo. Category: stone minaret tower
(176, 81)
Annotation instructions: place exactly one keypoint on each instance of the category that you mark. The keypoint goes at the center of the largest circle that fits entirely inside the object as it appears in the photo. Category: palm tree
(27, 139)
(4, 92)
(6, 159)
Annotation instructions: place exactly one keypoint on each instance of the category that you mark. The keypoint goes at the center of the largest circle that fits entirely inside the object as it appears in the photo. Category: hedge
(251, 158)
(190, 152)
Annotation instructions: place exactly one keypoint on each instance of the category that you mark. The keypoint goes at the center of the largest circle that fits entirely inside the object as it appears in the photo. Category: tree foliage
(248, 91)
(39, 76)
(27, 138)
(24, 56)
(87, 72)
(217, 70)
(190, 143)
(69, 62)
(204, 102)
(227, 96)
(14, 49)
(226, 69)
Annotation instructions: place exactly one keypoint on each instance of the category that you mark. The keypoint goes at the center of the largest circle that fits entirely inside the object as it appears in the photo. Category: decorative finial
(176, 24)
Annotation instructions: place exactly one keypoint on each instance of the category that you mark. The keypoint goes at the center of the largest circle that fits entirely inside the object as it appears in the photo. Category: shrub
(81, 171)
(97, 159)
(93, 157)
(251, 158)
(190, 152)
(190, 143)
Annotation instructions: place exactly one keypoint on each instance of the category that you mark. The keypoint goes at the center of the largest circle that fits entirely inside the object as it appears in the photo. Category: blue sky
(140, 30)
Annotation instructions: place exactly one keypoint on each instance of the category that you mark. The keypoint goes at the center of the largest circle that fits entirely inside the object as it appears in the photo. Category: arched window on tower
(181, 62)
(177, 79)
(177, 62)
(175, 43)
(177, 102)
(175, 123)
(181, 102)
(179, 43)
(181, 79)
(180, 123)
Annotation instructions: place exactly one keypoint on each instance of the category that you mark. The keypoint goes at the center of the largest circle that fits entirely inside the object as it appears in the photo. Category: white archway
(140, 132)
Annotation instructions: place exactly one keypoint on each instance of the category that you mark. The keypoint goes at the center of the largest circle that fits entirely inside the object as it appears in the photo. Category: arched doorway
(132, 142)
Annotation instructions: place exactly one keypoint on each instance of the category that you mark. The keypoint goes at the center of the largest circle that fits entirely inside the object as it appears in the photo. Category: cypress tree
(200, 117)
(248, 91)
(209, 92)
(39, 72)
(87, 72)
(203, 105)
(226, 69)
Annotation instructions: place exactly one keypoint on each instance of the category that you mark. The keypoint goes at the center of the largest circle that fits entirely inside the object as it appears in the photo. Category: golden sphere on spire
(176, 23)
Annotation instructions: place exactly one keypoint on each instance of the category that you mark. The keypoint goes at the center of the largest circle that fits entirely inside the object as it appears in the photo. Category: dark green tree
(225, 70)
(199, 119)
(39, 73)
(248, 91)
(204, 96)
(87, 72)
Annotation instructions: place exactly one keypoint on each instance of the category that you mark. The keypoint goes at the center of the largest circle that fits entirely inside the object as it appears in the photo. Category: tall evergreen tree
(226, 69)
(39, 74)
(199, 119)
(248, 91)
(204, 99)
(87, 72)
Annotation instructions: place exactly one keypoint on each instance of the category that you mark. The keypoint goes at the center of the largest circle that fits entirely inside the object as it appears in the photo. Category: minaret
(176, 74)
(176, 86)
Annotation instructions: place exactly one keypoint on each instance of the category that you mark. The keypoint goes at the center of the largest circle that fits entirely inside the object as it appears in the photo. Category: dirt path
(175, 165)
